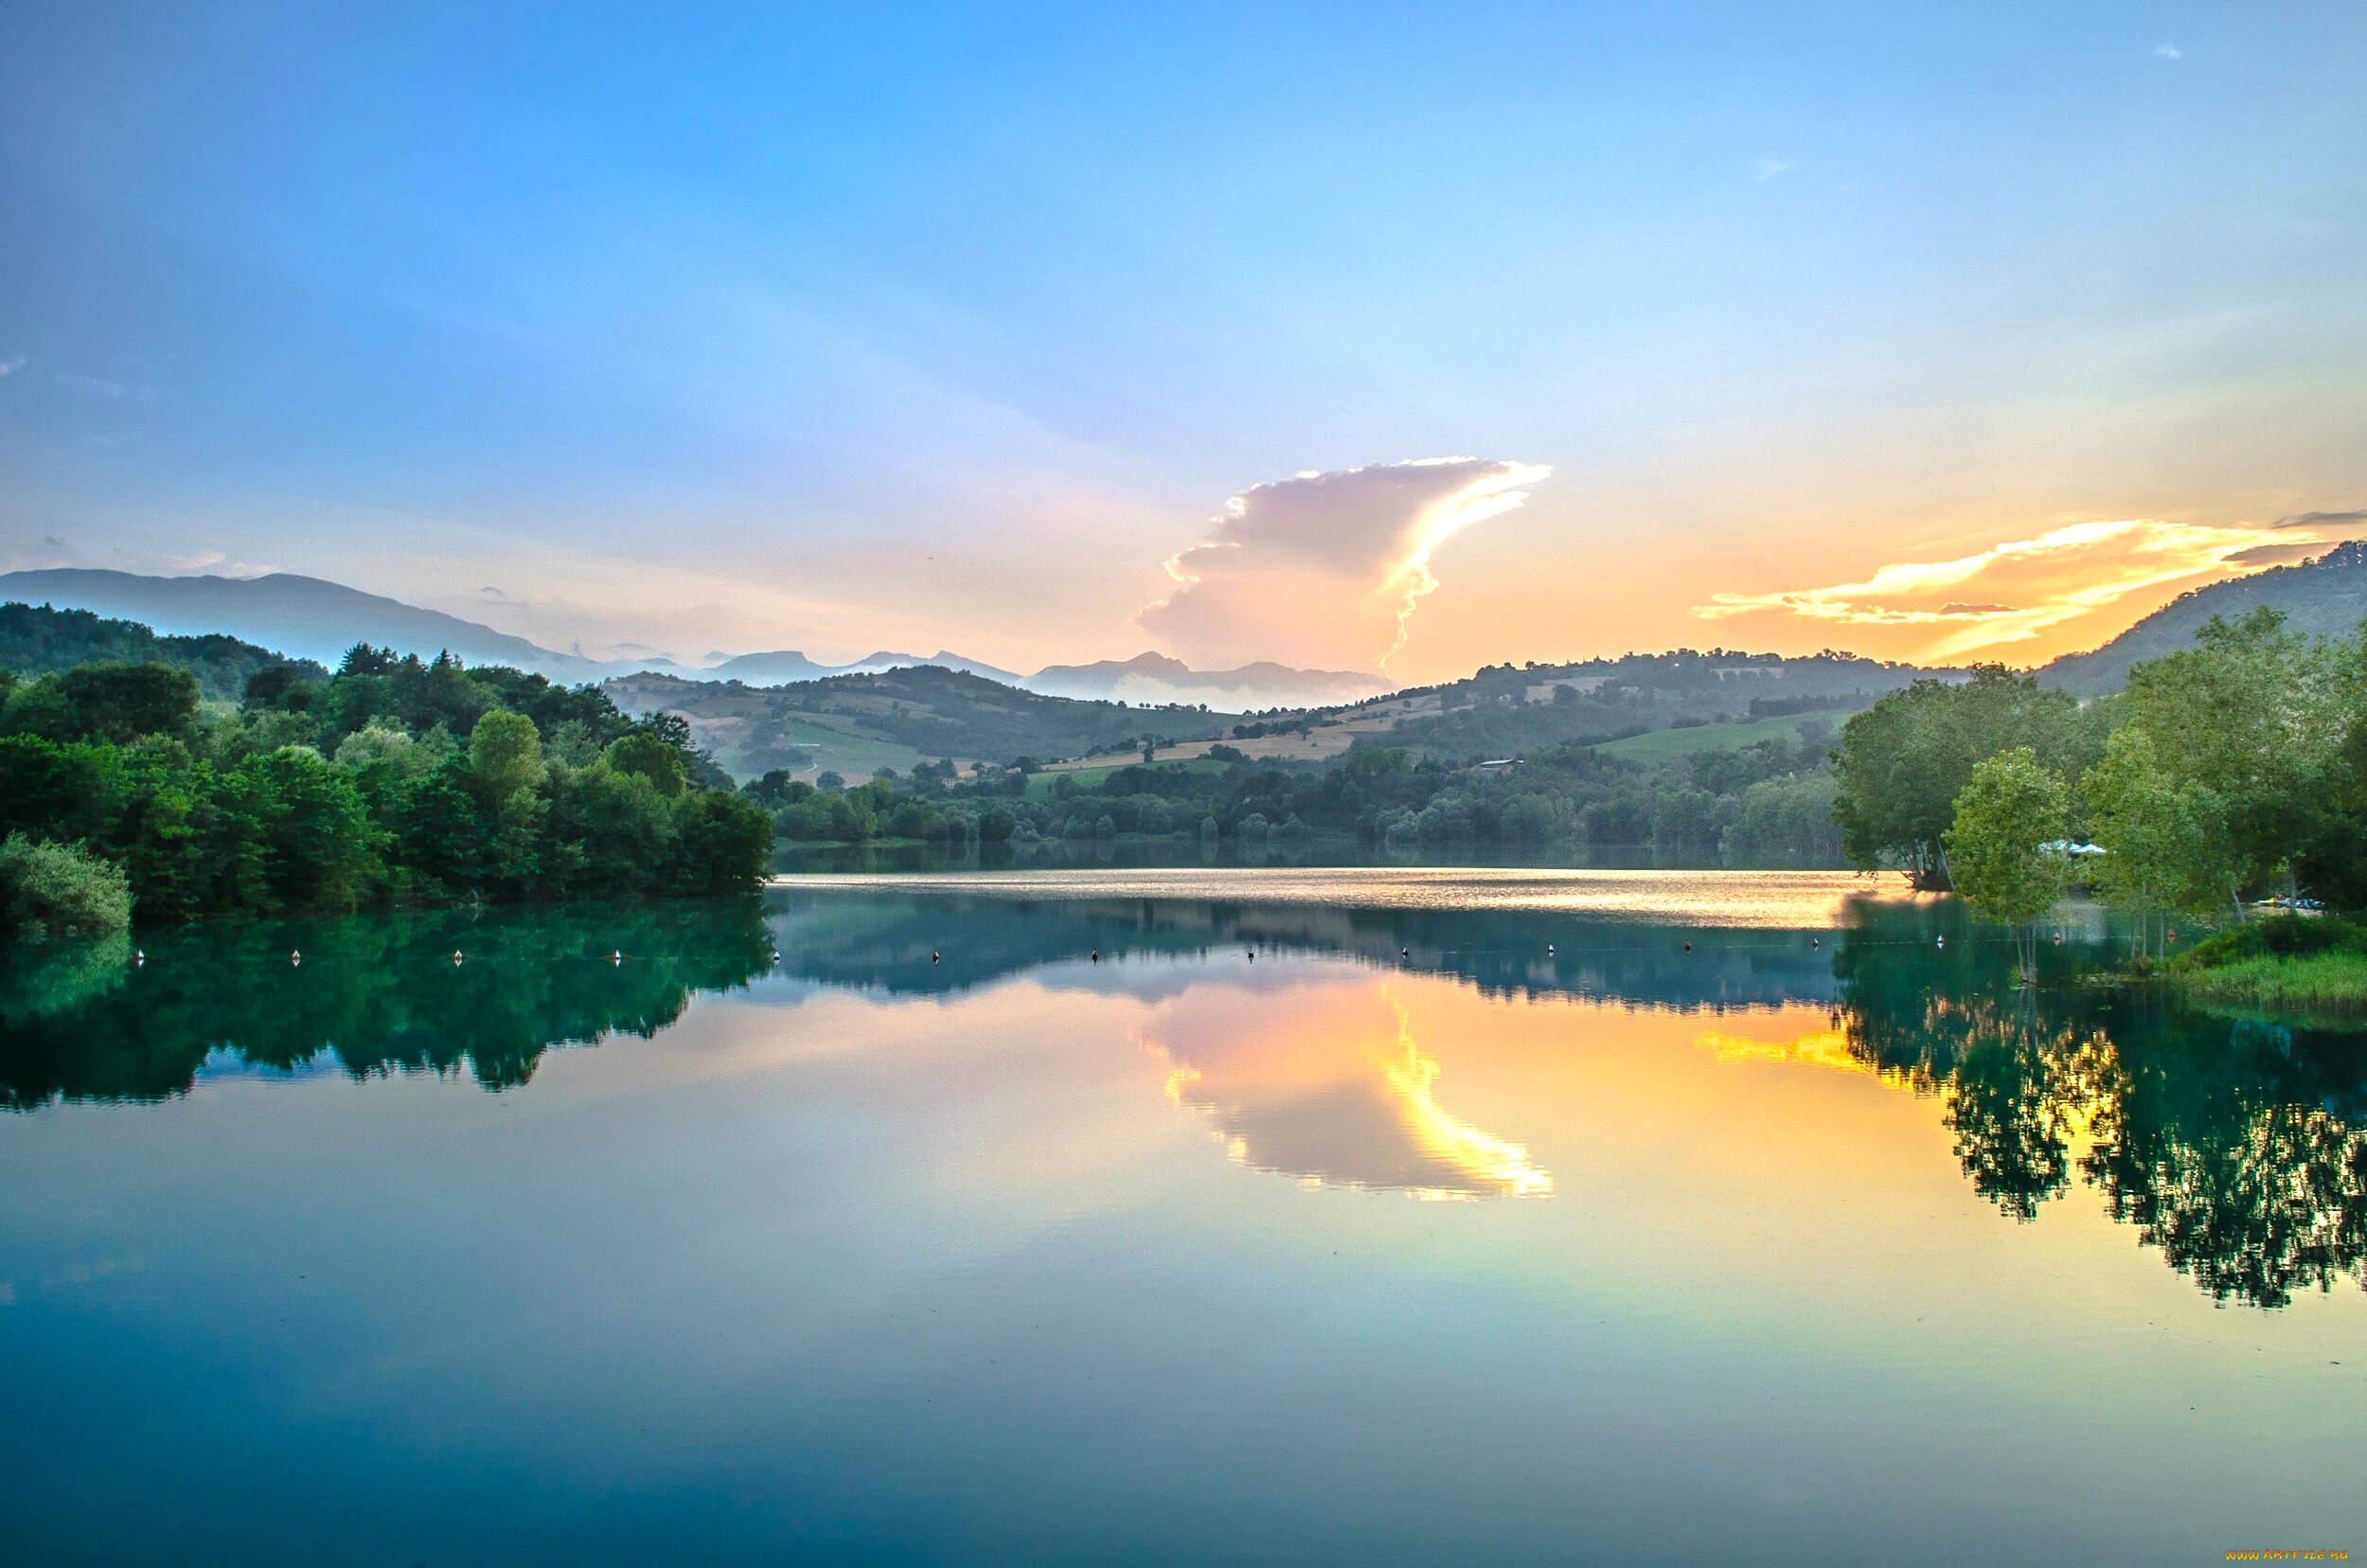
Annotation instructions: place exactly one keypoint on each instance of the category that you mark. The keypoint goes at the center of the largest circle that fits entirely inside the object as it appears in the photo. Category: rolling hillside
(37, 640)
(852, 724)
(2325, 597)
(1504, 711)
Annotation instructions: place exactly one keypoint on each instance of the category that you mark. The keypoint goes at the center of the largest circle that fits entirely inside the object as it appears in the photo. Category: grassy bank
(2310, 969)
(2323, 983)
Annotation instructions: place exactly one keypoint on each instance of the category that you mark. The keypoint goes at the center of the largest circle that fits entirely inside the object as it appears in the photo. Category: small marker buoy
(455, 956)
(139, 955)
(1549, 947)
(1405, 952)
(1941, 942)
(1688, 947)
(1097, 956)
(933, 955)
(1812, 941)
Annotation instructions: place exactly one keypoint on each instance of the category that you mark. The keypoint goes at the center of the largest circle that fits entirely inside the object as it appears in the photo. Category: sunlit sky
(1055, 335)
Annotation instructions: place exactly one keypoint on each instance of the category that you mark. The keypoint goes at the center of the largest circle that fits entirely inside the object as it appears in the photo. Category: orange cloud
(1327, 568)
(2013, 592)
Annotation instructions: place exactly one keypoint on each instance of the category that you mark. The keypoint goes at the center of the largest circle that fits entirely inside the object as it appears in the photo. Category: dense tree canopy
(400, 780)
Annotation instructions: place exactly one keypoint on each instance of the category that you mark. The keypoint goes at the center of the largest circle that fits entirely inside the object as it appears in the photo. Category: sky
(1404, 340)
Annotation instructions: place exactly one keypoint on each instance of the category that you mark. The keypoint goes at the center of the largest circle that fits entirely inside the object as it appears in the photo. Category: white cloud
(14, 363)
(1767, 169)
(1327, 568)
(2012, 592)
(2167, 50)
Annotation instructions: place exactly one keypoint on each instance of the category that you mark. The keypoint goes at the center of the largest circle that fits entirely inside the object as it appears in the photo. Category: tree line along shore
(2224, 775)
(396, 781)
(131, 789)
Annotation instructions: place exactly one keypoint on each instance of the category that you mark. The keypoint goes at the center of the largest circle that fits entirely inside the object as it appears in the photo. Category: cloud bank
(2013, 592)
(1327, 568)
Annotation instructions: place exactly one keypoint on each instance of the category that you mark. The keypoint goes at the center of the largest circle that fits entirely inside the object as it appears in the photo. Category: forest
(126, 795)
(1768, 804)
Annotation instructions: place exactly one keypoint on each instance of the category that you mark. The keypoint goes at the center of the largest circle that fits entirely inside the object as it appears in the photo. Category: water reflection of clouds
(1827, 1048)
(1328, 1082)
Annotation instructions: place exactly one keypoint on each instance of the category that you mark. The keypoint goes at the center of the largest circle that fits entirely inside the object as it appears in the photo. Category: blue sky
(837, 330)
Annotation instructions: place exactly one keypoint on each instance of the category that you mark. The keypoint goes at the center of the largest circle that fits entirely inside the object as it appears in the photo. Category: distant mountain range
(304, 618)
(787, 669)
(1150, 680)
(2325, 597)
(311, 618)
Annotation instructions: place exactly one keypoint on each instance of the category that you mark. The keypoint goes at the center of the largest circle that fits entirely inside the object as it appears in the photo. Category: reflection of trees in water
(942, 943)
(2237, 1148)
(381, 994)
(2241, 1151)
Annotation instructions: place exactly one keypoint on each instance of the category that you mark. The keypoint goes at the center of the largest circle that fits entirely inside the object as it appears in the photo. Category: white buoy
(933, 955)
(296, 957)
(455, 956)
(139, 955)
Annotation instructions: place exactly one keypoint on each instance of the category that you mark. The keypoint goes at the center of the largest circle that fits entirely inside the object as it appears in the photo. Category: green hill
(2325, 597)
(1508, 711)
(37, 640)
(853, 724)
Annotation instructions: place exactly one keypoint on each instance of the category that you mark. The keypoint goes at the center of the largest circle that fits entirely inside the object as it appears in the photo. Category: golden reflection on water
(1327, 1083)
(1819, 1048)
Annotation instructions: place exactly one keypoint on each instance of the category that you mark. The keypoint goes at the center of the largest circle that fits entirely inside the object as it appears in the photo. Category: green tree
(48, 889)
(2253, 716)
(506, 756)
(57, 791)
(649, 756)
(1902, 762)
(2009, 811)
(320, 847)
(2165, 840)
(122, 701)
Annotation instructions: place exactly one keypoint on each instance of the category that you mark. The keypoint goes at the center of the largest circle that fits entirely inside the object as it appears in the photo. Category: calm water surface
(1621, 1216)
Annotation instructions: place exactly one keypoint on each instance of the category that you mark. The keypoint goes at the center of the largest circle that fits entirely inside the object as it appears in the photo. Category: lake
(1372, 1215)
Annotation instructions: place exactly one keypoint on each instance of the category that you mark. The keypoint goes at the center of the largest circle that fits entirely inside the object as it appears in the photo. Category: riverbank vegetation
(2225, 772)
(2305, 967)
(398, 781)
(1768, 803)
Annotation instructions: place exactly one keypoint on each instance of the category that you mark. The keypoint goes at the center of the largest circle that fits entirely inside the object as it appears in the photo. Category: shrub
(52, 889)
(2279, 936)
